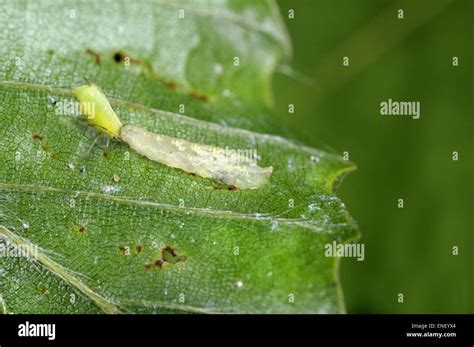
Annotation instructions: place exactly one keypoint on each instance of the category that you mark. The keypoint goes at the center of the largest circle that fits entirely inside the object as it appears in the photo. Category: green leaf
(114, 232)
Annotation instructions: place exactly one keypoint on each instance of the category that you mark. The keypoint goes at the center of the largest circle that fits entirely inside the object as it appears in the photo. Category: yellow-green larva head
(96, 108)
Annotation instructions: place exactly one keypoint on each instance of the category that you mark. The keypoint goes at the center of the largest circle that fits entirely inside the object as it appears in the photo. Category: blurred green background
(407, 250)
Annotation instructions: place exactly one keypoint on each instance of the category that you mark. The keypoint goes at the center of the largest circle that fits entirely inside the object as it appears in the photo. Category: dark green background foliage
(408, 250)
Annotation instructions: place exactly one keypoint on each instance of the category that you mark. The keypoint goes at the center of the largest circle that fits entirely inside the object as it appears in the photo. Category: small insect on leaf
(232, 169)
(96, 108)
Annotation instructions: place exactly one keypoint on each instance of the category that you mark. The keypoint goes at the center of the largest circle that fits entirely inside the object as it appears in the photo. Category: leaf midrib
(307, 223)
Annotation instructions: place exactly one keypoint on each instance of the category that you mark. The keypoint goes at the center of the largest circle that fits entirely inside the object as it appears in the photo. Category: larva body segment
(203, 160)
(96, 108)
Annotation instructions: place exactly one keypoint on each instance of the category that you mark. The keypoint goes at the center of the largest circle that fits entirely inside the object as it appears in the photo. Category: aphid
(204, 160)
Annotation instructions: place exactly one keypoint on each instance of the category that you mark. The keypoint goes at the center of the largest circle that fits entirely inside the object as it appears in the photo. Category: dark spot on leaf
(230, 188)
(138, 248)
(53, 101)
(42, 290)
(170, 84)
(159, 263)
(122, 249)
(200, 97)
(118, 57)
(192, 174)
(169, 250)
(82, 169)
(40, 138)
(94, 54)
(82, 229)
(105, 154)
(168, 256)
(134, 61)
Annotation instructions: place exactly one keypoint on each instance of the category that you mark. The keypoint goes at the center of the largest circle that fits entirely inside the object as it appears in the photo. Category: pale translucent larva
(203, 160)
(222, 165)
